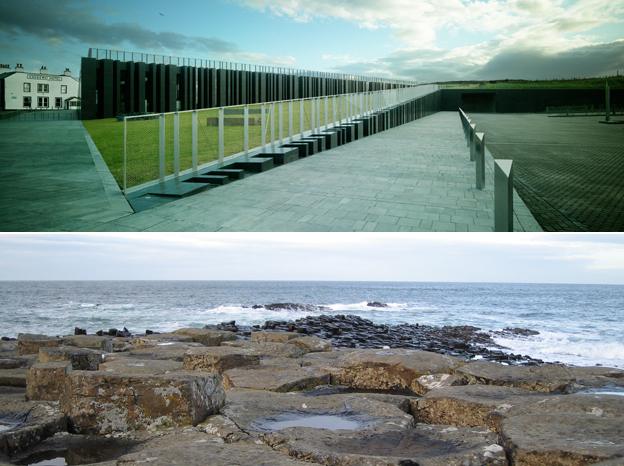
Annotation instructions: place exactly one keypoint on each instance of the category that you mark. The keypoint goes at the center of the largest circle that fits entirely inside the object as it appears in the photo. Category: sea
(577, 324)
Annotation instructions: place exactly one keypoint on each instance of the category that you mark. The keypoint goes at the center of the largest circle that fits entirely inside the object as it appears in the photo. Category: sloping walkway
(416, 177)
(53, 179)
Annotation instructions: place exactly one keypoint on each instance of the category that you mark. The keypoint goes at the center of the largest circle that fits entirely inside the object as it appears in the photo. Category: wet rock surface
(285, 396)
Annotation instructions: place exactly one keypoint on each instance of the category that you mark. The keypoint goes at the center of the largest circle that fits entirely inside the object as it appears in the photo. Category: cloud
(525, 38)
(67, 20)
(438, 65)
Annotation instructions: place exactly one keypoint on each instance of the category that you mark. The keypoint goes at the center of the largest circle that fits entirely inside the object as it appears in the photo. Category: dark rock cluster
(351, 331)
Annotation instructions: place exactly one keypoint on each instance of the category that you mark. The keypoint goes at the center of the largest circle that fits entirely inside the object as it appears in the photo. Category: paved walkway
(569, 170)
(416, 177)
(52, 181)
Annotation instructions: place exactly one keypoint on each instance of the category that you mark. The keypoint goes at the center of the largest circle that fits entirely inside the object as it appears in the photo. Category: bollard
(503, 195)
(480, 156)
(471, 140)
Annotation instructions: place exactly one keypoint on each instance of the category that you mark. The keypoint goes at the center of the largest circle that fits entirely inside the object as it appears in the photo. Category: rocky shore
(282, 395)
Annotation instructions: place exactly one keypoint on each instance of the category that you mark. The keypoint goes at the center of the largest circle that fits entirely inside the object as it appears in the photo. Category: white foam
(585, 350)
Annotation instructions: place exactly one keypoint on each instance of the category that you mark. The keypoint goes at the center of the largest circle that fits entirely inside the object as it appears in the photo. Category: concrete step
(232, 173)
(321, 141)
(331, 139)
(339, 135)
(280, 156)
(210, 179)
(302, 147)
(254, 164)
(176, 188)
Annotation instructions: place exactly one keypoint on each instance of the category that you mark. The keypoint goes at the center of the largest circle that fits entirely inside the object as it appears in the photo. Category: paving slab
(568, 170)
(54, 179)
(416, 177)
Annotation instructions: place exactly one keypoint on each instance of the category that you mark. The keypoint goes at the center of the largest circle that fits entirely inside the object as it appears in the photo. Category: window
(43, 88)
(63, 89)
(43, 102)
(58, 102)
(27, 102)
(26, 87)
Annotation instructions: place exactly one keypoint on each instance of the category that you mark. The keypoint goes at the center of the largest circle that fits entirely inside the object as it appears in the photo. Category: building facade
(22, 90)
(120, 83)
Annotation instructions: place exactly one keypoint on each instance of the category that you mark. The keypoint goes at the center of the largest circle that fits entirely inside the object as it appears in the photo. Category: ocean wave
(363, 305)
(591, 349)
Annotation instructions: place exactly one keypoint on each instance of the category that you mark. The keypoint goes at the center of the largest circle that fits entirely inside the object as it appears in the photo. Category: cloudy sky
(497, 257)
(424, 40)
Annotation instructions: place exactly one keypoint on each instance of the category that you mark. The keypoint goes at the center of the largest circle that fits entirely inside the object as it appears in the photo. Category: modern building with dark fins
(122, 83)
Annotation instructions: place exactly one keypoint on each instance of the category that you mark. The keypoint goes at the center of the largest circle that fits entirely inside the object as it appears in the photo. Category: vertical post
(480, 156)
(272, 123)
(607, 102)
(194, 140)
(301, 117)
(280, 122)
(246, 131)
(290, 121)
(176, 144)
(326, 111)
(503, 195)
(221, 135)
(161, 148)
(313, 114)
(263, 125)
(334, 109)
(125, 154)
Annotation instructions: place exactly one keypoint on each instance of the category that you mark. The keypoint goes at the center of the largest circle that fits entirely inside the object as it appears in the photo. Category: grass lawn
(615, 82)
(143, 138)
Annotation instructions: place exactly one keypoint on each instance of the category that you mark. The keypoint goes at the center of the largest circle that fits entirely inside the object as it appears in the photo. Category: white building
(21, 90)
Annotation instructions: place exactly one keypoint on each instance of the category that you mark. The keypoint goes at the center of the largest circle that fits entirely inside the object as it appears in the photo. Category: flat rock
(46, 380)
(134, 366)
(393, 370)
(28, 343)
(470, 405)
(423, 445)
(159, 339)
(219, 358)
(273, 337)
(30, 423)
(207, 337)
(77, 449)
(17, 362)
(200, 449)
(90, 342)
(312, 344)
(277, 378)
(259, 412)
(13, 377)
(269, 349)
(104, 402)
(82, 359)
(164, 350)
(547, 378)
(563, 439)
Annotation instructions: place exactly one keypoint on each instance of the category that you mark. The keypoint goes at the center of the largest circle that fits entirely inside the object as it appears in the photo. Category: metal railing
(125, 55)
(165, 146)
(503, 175)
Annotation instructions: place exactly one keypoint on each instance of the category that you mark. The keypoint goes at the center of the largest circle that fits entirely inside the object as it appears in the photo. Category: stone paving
(52, 181)
(569, 170)
(416, 177)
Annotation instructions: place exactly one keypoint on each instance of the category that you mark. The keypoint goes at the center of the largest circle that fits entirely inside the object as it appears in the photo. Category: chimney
(5, 67)
(43, 70)
(19, 67)
(67, 72)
